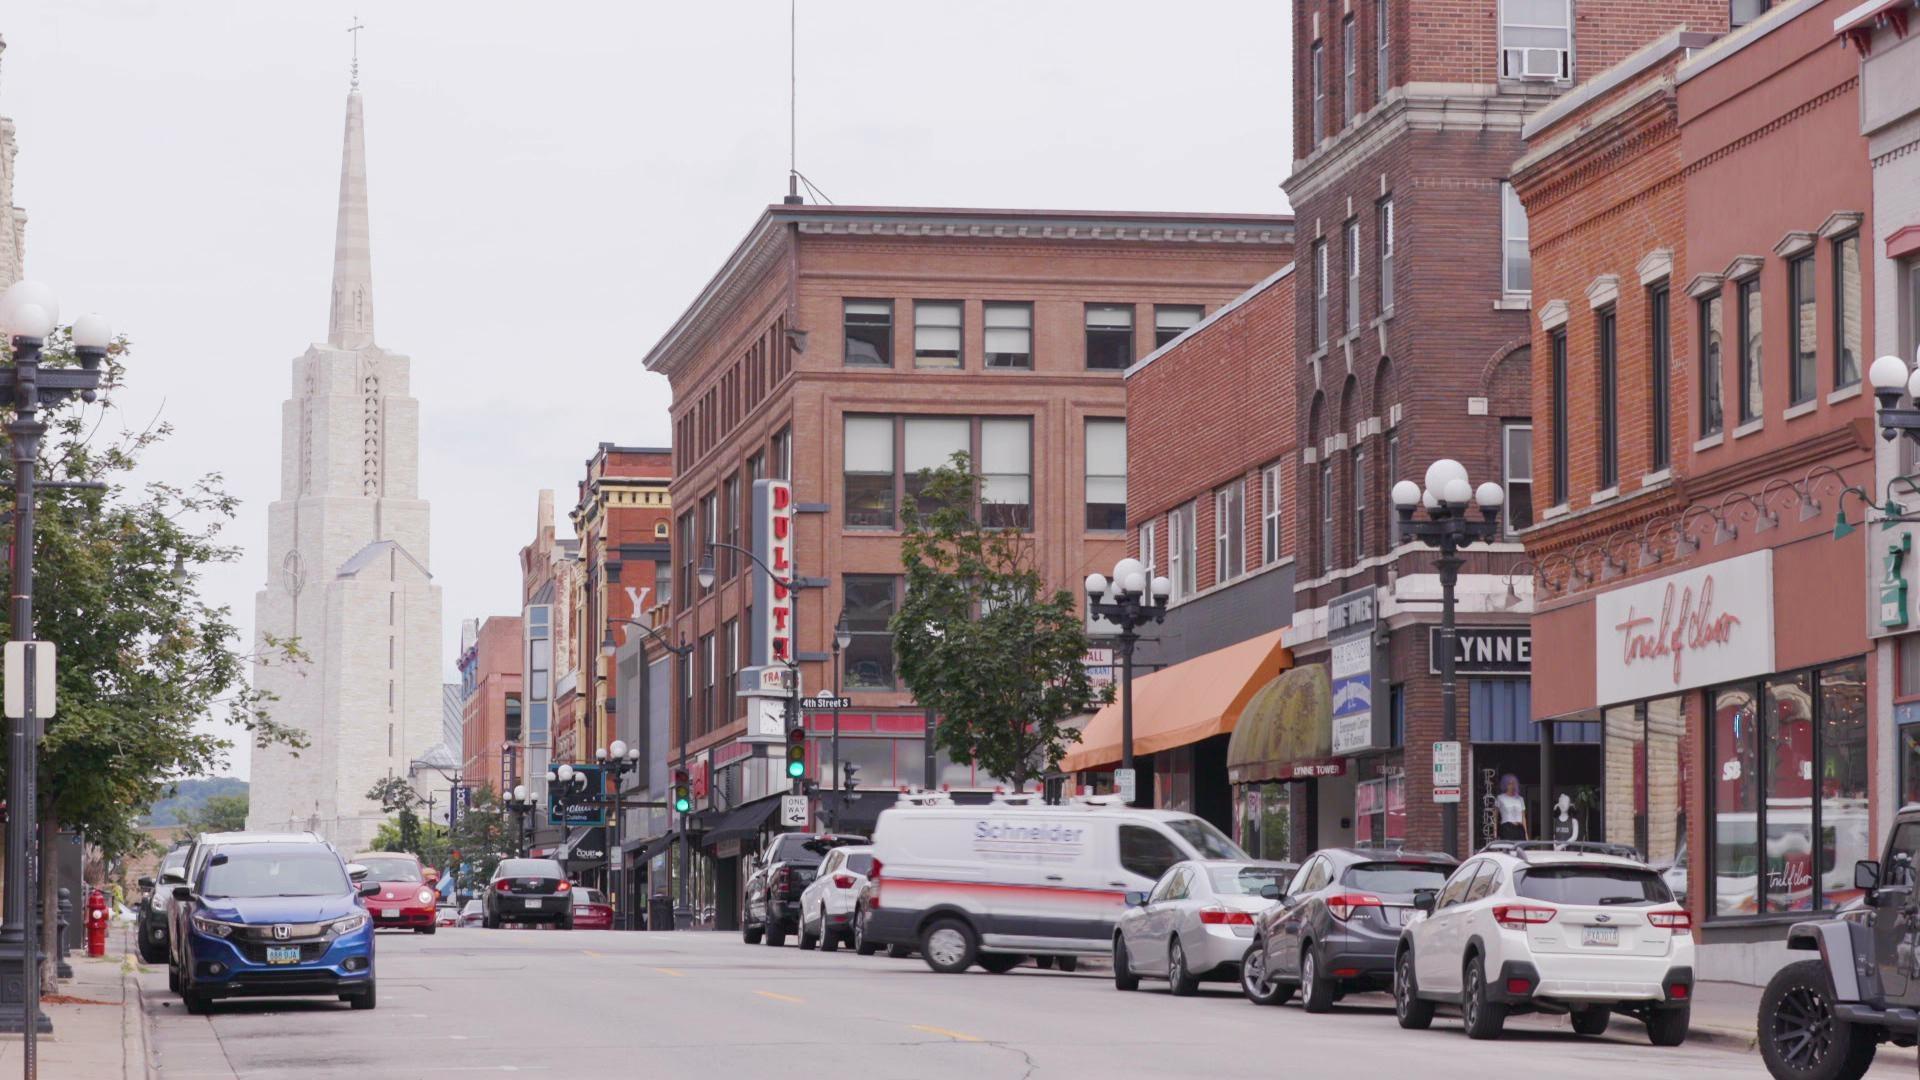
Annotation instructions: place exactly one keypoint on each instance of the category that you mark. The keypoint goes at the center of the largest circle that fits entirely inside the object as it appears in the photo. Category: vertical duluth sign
(1484, 650)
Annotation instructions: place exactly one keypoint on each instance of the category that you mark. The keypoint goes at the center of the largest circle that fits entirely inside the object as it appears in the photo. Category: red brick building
(492, 710)
(1209, 429)
(621, 523)
(841, 350)
(1413, 344)
(1703, 340)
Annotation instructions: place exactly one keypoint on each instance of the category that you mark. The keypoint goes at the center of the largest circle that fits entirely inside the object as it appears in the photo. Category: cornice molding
(1702, 286)
(1655, 265)
(1603, 290)
(1466, 107)
(1553, 314)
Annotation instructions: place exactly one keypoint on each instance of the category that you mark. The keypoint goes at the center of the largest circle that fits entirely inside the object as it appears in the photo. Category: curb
(1728, 1037)
(136, 1057)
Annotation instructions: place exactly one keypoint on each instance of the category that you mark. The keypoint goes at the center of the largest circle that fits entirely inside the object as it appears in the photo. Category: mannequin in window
(1511, 807)
(1565, 827)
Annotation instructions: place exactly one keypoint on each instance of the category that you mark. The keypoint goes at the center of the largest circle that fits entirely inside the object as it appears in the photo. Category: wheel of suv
(808, 939)
(1668, 1027)
(1316, 989)
(1482, 1018)
(861, 946)
(1254, 982)
(152, 952)
(1123, 976)
(776, 934)
(1180, 980)
(1000, 963)
(198, 1004)
(173, 978)
(1799, 1037)
(750, 933)
(364, 999)
(1591, 1020)
(1414, 1012)
(1068, 964)
(949, 946)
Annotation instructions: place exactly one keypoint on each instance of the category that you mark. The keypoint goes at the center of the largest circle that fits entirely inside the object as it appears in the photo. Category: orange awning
(1182, 704)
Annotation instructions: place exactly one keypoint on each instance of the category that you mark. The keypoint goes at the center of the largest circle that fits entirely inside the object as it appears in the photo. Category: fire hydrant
(96, 923)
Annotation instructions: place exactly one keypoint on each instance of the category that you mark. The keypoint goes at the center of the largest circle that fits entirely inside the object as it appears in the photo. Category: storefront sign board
(1484, 650)
(1702, 626)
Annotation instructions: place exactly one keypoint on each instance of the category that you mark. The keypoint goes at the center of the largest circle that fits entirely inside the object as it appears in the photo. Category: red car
(591, 910)
(405, 900)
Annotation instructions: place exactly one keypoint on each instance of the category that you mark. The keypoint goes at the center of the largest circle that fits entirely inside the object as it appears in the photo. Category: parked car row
(1582, 930)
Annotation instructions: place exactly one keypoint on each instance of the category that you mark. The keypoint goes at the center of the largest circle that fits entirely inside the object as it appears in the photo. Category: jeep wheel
(1799, 1037)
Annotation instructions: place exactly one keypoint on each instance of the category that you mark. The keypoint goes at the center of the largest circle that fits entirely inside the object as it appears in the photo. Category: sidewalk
(99, 1031)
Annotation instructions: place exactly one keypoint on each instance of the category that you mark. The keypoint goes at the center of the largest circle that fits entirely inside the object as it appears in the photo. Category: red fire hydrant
(96, 923)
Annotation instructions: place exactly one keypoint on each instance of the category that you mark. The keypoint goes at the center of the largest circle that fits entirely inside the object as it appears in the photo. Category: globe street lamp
(524, 803)
(1129, 600)
(619, 759)
(1447, 528)
(29, 314)
(1892, 387)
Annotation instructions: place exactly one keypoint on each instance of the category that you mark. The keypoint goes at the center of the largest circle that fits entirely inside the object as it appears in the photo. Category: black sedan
(1335, 928)
(529, 891)
(155, 901)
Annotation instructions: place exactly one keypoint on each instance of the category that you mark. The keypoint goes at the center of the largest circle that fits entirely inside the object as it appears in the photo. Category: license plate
(531, 904)
(283, 954)
(1600, 935)
(389, 912)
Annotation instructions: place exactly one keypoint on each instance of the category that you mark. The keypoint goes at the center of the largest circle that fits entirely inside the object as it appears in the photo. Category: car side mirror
(145, 883)
(1270, 892)
(356, 871)
(1136, 899)
(1423, 900)
(181, 892)
(371, 888)
(173, 877)
(1866, 874)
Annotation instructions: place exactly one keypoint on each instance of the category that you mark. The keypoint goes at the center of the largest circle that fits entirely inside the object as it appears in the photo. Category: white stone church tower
(347, 556)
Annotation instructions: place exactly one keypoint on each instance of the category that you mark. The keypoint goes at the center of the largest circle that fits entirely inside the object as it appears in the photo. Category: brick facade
(622, 521)
(490, 685)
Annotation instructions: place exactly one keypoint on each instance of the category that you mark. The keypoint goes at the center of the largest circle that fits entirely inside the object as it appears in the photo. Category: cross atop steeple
(355, 31)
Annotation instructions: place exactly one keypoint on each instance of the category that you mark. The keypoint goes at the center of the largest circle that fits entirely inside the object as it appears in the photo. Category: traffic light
(796, 752)
(682, 792)
(849, 776)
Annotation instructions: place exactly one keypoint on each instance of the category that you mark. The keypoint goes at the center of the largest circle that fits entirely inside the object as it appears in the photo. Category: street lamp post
(29, 313)
(622, 760)
(794, 584)
(1892, 386)
(679, 652)
(524, 803)
(1447, 528)
(1125, 601)
(842, 637)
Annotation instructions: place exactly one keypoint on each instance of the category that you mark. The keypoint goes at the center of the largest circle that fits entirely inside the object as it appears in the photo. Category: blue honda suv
(275, 919)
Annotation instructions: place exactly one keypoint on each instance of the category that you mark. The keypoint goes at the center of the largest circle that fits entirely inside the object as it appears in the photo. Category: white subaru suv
(1585, 930)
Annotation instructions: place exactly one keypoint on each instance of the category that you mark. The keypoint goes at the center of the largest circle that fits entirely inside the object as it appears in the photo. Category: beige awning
(1286, 730)
(1182, 704)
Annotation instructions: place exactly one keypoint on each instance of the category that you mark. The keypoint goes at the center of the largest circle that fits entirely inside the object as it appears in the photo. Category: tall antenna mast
(793, 97)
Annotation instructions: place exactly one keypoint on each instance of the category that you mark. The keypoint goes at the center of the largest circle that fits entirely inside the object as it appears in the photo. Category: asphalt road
(693, 1005)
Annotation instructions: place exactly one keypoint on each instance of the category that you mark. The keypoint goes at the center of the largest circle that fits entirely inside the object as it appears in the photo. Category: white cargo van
(991, 884)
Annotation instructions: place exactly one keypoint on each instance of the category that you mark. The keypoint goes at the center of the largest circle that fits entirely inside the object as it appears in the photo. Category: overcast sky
(550, 186)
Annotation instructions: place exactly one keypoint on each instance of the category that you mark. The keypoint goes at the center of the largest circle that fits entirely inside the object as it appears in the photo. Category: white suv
(1581, 929)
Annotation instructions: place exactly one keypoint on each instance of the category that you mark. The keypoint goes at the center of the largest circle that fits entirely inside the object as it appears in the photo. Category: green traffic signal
(681, 804)
(796, 769)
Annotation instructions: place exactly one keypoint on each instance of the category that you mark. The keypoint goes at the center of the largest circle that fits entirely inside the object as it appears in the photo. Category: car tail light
(1219, 916)
(1518, 985)
(1677, 992)
(563, 886)
(503, 885)
(843, 881)
(780, 879)
(1345, 905)
(1521, 916)
(1677, 921)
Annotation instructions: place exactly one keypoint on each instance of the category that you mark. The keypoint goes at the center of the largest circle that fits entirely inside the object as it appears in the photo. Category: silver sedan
(1196, 923)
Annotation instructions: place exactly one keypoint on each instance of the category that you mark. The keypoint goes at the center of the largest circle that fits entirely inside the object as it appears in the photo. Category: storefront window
(1801, 810)
(1666, 803)
(1624, 736)
(1264, 821)
(1908, 717)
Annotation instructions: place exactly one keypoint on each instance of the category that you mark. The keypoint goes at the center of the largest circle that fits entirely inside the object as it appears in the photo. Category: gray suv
(1336, 927)
(1824, 1017)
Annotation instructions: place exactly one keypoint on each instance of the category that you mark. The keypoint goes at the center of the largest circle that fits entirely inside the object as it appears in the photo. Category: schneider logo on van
(1027, 840)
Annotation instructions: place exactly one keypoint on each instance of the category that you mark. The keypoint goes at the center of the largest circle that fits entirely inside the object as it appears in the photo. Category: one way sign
(826, 701)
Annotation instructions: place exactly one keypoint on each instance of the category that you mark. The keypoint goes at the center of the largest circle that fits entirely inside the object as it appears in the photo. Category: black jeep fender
(1839, 942)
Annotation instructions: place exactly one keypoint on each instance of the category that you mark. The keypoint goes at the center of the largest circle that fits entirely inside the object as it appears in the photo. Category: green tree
(396, 796)
(430, 841)
(219, 813)
(980, 639)
(484, 833)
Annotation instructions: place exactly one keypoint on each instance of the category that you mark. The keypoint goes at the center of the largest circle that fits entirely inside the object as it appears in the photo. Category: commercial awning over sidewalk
(1286, 730)
(1190, 701)
(741, 823)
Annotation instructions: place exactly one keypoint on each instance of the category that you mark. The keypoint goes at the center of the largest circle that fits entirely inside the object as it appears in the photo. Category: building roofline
(615, 448)
(1869, 12)
(1640, 62)
(1769, 21)
(1117, 226)
(1271, 280)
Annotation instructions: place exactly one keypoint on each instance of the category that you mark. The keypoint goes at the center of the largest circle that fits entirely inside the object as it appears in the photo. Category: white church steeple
(350, 319)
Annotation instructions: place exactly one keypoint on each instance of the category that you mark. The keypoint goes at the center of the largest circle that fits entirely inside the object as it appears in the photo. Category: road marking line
(781, 997)
(954, 1035)
(589, 952)
(670, 971)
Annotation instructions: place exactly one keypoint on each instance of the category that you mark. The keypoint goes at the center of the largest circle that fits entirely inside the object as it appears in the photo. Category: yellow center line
(670, 971)
(781, 997)
(589, 952)
(954, 1035)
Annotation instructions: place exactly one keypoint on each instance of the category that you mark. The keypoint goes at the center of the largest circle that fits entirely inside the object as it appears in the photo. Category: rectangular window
(870, 601)
(1742, 12)
(1009, 335)
(1660, 349)
(1536, 39)
(1149, 547)
(1319, 123)
(689, 555)
(1183, 555)
(936, 334)
(869, 331)
(1229, 532)
(735, 510)
(1352, 285)
(709, 526)
(1846, 311)
(706, 683)
(783, 454)
(1558, 342)
(1350, 70)
(867, 479)
(729, 666)
(1006, 472)
(1109, 337)
(1750, 364)
(931, 442)
(1359, 498)
(1382, 54)
(1172, 320)
(1806, 329)
(1516, 260)
(1321, 287)
(1517, 448)
(1326, 517)
(1609, 394)
(1383, 214)
(1106, 474)
(1270, 505)
(1712, 409)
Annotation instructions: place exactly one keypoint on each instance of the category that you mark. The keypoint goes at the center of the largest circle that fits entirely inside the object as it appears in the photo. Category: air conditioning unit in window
(1537, 64)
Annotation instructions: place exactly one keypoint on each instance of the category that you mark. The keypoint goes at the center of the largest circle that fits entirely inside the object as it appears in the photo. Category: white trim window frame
(1352, 286)
(1183, 551)
(1149, 545)
(1536, 40)
(1229, 532)
(1270, 508)
(1516, 473)
(1516, 258)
